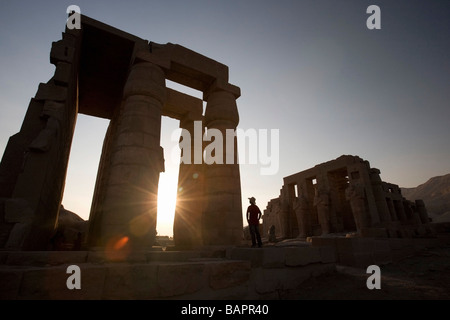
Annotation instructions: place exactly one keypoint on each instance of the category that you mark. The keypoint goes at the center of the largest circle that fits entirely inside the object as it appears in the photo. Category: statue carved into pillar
(322, 202)
(301, 209)
(355, 193)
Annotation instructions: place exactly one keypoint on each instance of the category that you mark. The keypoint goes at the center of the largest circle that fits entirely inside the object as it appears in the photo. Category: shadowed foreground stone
(271, 272)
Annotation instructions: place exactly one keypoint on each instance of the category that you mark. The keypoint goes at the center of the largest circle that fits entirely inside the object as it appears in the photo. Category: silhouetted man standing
(253, 216)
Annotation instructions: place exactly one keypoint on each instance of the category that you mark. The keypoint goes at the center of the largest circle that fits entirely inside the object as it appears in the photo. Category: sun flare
(167, 196)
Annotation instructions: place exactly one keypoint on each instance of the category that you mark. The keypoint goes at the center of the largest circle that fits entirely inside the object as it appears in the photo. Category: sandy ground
(426, 276)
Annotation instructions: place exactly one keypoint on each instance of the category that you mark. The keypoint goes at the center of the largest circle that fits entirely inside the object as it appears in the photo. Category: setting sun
(167, 195)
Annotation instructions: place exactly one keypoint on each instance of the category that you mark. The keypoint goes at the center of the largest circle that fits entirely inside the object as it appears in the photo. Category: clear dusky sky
(310, 69)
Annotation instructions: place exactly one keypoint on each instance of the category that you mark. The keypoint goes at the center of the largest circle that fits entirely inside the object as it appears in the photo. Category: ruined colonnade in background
(344, 195)
(105, 72)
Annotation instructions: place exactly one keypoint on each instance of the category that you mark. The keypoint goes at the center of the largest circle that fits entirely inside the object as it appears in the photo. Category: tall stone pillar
(423, 213)
(378, 192)
(356, 194)
(222, 217)
(187, 226)
(391, 207)
(400, 210)
(126, 213)
(34, 165)
(322, 202)
(301, 208)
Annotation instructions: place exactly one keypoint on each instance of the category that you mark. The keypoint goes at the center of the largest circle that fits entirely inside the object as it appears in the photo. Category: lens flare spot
(120, 243)
(118, 248)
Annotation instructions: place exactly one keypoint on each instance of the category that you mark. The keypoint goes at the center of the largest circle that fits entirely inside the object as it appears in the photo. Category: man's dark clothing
(253, 216)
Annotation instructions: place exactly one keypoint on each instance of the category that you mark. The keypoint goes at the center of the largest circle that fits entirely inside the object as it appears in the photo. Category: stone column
(400, 210)
(322, 201)
(128, 207)
(222, 218)
(378, 192)
(356, 194)
(33, 168)
(408, 209)
(187, 226)
(301, 208)
(390, 205)
(423, 215)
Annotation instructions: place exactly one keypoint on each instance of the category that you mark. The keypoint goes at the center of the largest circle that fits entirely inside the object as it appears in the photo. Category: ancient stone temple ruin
(344, 195)
(105, 72)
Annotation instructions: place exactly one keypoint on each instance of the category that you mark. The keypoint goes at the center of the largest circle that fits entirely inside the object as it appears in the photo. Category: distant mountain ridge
(436, 195)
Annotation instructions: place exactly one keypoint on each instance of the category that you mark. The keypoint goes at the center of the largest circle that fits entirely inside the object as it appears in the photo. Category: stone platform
(218, 273)
(213, 273)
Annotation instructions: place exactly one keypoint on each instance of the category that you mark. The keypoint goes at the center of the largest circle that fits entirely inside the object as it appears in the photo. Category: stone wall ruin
(105, 72)
(344, 195)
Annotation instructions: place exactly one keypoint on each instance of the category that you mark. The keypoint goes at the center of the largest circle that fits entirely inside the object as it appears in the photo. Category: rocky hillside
(69, 223)
(436, 194)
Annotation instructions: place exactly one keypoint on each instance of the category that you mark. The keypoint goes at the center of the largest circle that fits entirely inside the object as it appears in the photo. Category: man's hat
(252, 199)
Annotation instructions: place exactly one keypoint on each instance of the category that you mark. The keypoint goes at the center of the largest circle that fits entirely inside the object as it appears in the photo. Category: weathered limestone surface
(362, 252)
(105, 72)
(344, 195)
(225, 272)
(239, 273)
(159, 275)
(223, 208)
(33, 167)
